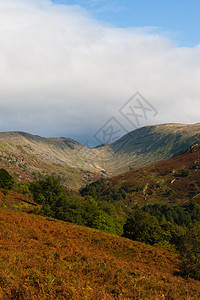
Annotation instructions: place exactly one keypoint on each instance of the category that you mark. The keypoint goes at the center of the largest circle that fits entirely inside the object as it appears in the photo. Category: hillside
(29, 157)
(42, 258)
(150, 144)
(173, 181)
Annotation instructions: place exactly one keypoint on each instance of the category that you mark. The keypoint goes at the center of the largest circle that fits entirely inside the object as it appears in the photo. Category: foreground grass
(42, 258)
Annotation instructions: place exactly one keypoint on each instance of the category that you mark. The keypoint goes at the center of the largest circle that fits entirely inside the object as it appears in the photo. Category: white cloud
(63, 73)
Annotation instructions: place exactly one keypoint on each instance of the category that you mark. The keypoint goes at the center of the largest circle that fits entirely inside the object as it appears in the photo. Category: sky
(176, 19)
(94, 70)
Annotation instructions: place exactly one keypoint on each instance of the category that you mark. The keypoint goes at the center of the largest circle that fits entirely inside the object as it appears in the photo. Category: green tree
(6, 180)
(143, 227)
(189, 248)
(47, 190)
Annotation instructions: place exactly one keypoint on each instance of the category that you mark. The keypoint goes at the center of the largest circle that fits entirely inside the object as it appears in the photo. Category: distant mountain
(150, 144)
(30, 156)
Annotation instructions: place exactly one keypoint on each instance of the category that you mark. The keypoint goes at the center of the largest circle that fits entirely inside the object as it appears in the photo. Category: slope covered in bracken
(42, 258)
(173, 181)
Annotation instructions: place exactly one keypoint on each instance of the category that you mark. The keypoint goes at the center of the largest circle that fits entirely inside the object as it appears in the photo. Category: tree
(47, 190)
(6, 180)
(143, 227)
(189, 249)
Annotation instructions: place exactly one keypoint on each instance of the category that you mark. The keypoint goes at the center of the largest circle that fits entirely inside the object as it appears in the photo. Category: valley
(30, 157)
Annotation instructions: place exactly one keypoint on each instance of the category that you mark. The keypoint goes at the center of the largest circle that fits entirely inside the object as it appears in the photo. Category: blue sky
(178, 19)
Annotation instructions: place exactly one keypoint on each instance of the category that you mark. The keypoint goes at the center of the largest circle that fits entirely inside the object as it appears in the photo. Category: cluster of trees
(94, 189)
(97, 191)
(156, 223)
(58, 203)
(173, 228)
(189, 249)
(180, 215)
(141, 226)
(102, 190)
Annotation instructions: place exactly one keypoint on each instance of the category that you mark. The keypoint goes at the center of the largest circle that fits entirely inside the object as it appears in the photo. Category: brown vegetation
(42, 258)
(173, 181)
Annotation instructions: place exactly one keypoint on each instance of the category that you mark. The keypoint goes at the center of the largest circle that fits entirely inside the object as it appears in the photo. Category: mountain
(31, 156)
(172, 181)
(43, 258)
(148, 145)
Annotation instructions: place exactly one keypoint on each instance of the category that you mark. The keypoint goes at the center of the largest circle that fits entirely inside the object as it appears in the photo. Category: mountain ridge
(78, 164)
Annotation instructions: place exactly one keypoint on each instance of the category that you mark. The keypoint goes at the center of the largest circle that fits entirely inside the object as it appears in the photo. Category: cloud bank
(62, 73)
